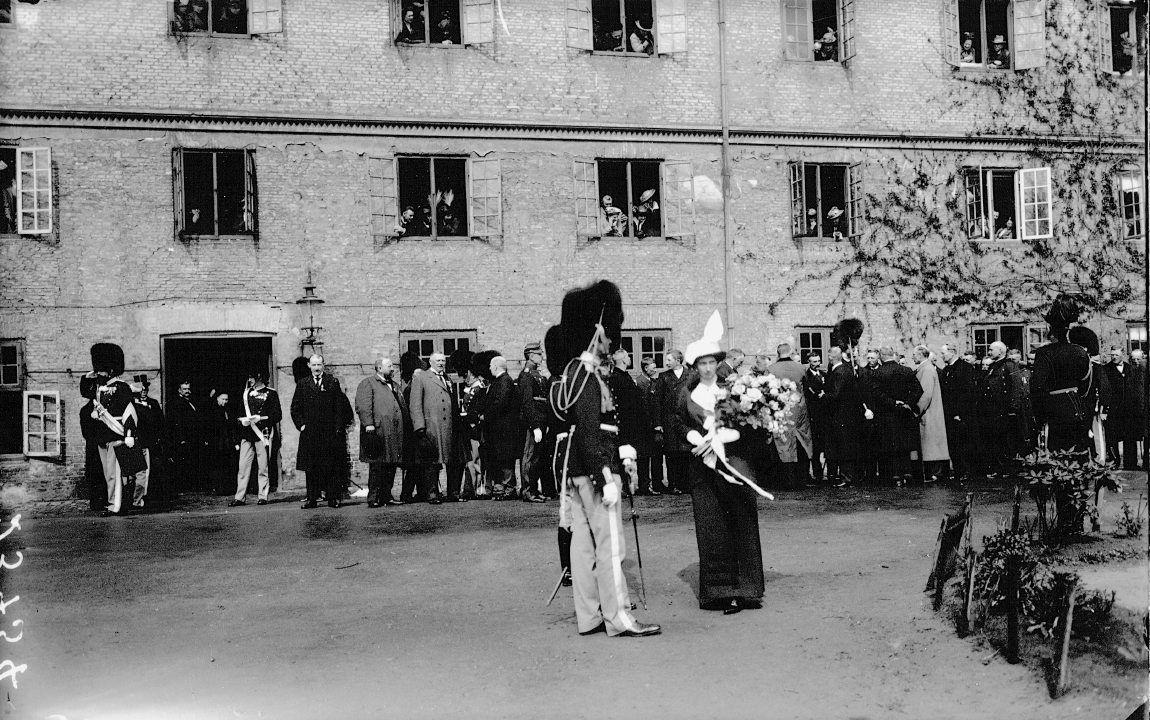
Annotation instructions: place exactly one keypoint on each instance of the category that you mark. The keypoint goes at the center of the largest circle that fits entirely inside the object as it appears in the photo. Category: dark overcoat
(322, 417)
(897, 426)
(501, 422)
(844, 407)
(380, 406)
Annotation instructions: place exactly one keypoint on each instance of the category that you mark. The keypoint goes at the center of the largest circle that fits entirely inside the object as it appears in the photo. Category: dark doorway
(216, 364)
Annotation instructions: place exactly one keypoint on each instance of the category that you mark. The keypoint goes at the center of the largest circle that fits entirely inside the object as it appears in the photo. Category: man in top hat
(999, 56)
(114, 414)
(999, 407)
(321, 413)
(150, 437)
(536, 447)
(258, 427)
(650, 451)
(591, 466)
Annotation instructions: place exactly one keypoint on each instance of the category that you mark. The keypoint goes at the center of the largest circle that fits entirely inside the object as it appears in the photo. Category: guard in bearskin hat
(111, 420)
(589, 458)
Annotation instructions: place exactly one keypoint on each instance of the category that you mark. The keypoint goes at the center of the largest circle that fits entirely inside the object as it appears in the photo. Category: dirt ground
(439, 612)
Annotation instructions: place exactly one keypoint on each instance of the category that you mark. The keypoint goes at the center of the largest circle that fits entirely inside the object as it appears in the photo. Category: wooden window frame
(1027, 329)
(1108, 51)
(251, 194)
(47, 437)
(626, 37)
(437, 338)
(20, 368)
(824, 333)
(1138, 191)
(985, 202)
(397, 15)
(630, 194)
(984, 40)
(1133, 329)
(854, 205)
(635, 337)
(434, 209)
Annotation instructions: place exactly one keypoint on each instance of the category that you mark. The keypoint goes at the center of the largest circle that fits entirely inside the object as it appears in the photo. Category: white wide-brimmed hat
(709, 343)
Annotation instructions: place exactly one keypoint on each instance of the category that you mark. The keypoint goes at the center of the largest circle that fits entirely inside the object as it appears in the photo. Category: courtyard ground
(439, 612)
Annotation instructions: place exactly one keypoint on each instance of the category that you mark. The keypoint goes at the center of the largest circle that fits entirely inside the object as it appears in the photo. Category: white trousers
(261, 451)
(114, 482)
(597, 551)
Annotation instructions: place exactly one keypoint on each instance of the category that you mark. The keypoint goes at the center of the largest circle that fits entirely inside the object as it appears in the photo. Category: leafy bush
(1130, 523)
(1063, 486)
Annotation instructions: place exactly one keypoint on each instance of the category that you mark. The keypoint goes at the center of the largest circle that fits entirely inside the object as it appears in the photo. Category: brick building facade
(305, 135)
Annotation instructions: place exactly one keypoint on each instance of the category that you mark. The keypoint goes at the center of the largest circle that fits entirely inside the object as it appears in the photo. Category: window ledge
(816, 63)
(980, 68)
(624, 53)
(203, 34)
(442, 45)
(1012, 244)
(844, 240)
(198, 236)
(11, 459)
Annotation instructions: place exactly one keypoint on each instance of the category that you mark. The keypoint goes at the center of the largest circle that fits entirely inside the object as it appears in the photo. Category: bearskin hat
(299, 368)
(1084, 337)
(108, 358)
(481, 364)
(847, 333)
(459, 362)
(583, 308)
(409, 362)
(1063, 313)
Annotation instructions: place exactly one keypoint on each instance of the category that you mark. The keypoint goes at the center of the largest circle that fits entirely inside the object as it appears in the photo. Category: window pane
(613, 201)
(833, 179)
(463, 344)
(230, 189)
(191, 15)
(1012, 336)
(414, 188)
(970, 31)
(230, 16)
(1003, 210)
(646, 214)
(7, 190)
(199, 204)
(1122, 39)
(640, 25)
(7, 354)
(450, 192)
(825, 23)
(413, 346)
(998, 29)
(607, 25)
(9, 375)
(448, 346)
(445, 23)
(11, 424)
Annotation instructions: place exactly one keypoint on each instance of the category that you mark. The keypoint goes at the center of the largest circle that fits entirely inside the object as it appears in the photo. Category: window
(1117, 38)
(630, 27)
(1008, 204)
(435, 197)
(995, 34)
(1130, 186)
(5, 12)
(1136, 338)
(26, 190)
(818, 30)
(41, 424)
(438, 22)
(226, 17)
(11, 396)
(813, 340)
(1016, 336)
(634, 198)
(826, 200)
(643, 344)
(215, 192)
(441, 341)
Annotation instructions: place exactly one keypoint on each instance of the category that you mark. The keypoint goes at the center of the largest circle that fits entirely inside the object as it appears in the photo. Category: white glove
(245, 421)
(130, 441)
(369, 428)
(610, 494)
(537, 434)
(626, 452)
(869, 415)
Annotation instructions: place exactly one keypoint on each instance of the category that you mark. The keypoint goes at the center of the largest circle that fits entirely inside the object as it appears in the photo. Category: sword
(632, 471)
(562, 576)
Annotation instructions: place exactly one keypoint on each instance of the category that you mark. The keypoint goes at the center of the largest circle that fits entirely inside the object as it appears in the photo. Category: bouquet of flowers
(760, 402)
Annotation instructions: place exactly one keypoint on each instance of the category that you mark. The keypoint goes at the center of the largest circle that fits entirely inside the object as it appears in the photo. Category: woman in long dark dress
(726, 513)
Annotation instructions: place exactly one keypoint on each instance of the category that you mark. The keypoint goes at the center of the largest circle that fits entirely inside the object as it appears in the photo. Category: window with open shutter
(950, 37)
(1130, 199)
(671, 29)
(579, 25)
(1036, 203)
(976, 225)
(34, 191)
(1029, 34)
(678, 200)
(251, 218)
(478, 22)
(41, 423)
(1105, 45)
(797, 30)
(847, 10)
(856, 204)
(265, 16)
(798, 201)
(486, 201)
(384, 199)
(178, 188)
(587, 212)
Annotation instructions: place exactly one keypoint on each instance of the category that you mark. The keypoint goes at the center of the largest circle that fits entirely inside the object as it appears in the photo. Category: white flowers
(753, 394)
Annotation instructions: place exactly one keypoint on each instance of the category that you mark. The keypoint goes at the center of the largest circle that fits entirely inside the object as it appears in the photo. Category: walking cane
(631, 470)
(562, 576)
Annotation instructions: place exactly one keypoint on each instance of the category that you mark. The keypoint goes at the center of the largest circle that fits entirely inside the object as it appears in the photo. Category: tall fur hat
(1084, 337)
(847, 333)
(108, 358)
(459, 362)
(299, 368)
(583, 308)
(409, 362)
(1063, 313)
(481, 364)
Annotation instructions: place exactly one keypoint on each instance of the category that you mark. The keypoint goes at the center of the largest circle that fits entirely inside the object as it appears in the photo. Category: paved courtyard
(439, 612)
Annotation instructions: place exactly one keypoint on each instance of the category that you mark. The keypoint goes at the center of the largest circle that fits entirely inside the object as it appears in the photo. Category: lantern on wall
(310, 342)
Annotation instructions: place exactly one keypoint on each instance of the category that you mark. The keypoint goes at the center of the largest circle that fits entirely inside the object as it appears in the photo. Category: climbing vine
(914, 254)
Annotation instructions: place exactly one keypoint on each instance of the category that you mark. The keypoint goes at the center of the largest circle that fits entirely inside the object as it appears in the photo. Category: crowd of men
(453, 429)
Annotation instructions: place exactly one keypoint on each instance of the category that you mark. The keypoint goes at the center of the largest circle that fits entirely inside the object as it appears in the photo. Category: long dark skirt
(727, 530)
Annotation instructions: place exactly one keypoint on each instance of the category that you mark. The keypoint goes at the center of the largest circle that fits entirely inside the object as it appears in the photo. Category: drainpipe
(728, 289)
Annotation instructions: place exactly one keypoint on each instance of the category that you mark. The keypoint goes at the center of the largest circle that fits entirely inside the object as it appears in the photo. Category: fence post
(1012, 581)
(1068, 584)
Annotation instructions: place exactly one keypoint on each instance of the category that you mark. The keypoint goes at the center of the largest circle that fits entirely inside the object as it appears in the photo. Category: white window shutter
(34, 191)
(797, 43)
(847, 30)
(1036, 203)
(856, 201)
(1105, 48)
(41, 423)
(976, 227)
(178, 188)
(678, 200)
(1029, 34)
(478, 22)
(485, 204)
(587, 211)
(384, 198)
(798, 200)
(671, 26)
(250, 212)
(579, 25)
(265, 17)
(950, 37)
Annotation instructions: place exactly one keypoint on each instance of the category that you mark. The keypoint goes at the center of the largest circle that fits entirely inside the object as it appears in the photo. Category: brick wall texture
(114, 271)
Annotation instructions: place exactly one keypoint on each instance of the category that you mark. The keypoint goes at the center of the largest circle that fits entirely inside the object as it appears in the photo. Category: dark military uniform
(1059, 382)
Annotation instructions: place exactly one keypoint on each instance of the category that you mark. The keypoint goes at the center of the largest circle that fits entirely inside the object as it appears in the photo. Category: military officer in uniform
(113, 414)
(1059, 382)
(537, 444)
(258, 428)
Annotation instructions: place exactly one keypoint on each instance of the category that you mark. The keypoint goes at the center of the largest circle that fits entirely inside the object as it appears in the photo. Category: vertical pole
(724, 118)
(1012, 587)
(1069, 586)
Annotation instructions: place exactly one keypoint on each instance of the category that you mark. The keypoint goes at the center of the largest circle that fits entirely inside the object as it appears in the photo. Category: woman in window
(642, 40)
